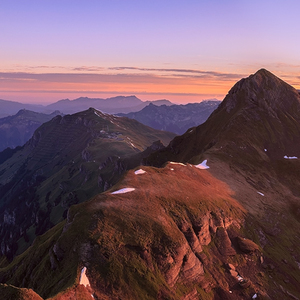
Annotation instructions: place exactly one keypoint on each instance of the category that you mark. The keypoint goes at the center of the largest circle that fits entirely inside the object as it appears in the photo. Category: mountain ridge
(214, 215)
(174, 118)
(68, 160)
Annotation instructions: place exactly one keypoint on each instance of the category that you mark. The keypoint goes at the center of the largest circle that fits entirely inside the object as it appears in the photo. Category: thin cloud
(193, 71)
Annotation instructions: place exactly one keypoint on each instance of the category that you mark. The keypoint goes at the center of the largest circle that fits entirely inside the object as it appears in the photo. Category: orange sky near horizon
(41, 88)
(177, 85)
(183, 51)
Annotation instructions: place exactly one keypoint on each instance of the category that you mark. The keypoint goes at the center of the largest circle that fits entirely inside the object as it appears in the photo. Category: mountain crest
(262, 89)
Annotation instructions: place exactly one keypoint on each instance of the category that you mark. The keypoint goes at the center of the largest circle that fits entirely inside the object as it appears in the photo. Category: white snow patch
(132, 145)
(97, 114)
(239, 278)
(123, 191)
(177, 163)
(265, 150)
(140, 171)
(260, 193)
(172, 169)
(83, 278)
(290, 157)
(254, 296)
(203, 165)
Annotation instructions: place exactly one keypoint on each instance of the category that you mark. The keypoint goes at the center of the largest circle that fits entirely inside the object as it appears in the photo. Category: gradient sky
(184, 51)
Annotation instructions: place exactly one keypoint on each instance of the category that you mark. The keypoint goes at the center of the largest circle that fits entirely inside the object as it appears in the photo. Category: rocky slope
(16, 130)
(174, 118)
(67, 161)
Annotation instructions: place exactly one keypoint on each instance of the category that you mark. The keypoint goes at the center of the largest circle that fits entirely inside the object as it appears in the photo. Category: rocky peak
(264, 90)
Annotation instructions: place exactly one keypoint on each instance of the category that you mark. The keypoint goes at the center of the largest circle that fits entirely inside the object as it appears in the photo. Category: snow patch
(140, 171)
(172, 169)
(265, 150)
(260, 193)
(254, 296)
(123, 191)
(83, 278)
(97, 114)
(203, 165)
(177, 163)
(290, 157)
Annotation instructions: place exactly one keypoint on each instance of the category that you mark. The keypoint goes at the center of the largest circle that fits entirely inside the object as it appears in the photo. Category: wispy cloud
(201, 73)
(163, 82)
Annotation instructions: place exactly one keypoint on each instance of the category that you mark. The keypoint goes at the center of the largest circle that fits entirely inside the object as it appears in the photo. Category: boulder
(246, 245)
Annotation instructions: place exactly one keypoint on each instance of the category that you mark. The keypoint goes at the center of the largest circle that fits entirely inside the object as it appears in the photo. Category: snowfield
(203, 165)
(140, 171)
(83, 278)
(123, 191)
(177, 163)
(290, 157)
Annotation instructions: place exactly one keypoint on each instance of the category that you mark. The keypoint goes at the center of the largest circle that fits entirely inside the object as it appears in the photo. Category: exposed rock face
(247, 245)
(223, 242)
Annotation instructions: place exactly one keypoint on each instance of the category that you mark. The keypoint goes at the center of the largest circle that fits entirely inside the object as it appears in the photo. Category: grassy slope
(111, 234)
(62, 165)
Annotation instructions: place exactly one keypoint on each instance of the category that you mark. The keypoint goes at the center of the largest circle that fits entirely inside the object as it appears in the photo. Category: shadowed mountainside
(68, 160)
(16, 130)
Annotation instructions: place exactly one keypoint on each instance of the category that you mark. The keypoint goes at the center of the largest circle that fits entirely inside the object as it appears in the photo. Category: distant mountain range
(174, 118)
(16, 130)
(213, 215)
(114, 105)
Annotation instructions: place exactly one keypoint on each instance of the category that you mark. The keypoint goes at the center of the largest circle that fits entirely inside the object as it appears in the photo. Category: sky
(183, 51)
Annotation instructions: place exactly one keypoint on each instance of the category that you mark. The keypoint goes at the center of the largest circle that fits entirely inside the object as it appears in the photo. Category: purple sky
(184, 51)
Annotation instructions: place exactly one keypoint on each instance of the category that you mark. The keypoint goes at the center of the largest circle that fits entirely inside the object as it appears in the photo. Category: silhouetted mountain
(68, 160)
(119, 104)
(220, 223)
(16, 130)
(12, 107)
(110, 105)
(174, 118)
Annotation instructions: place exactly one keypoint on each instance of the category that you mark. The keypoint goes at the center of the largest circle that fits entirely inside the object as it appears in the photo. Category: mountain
(119, 104)
(68, 160)
(16, 130)
(174, 118)
(217, 217)
(12, 107)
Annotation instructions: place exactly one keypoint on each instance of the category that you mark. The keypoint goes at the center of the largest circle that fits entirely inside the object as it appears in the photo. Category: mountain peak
(262, 89)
